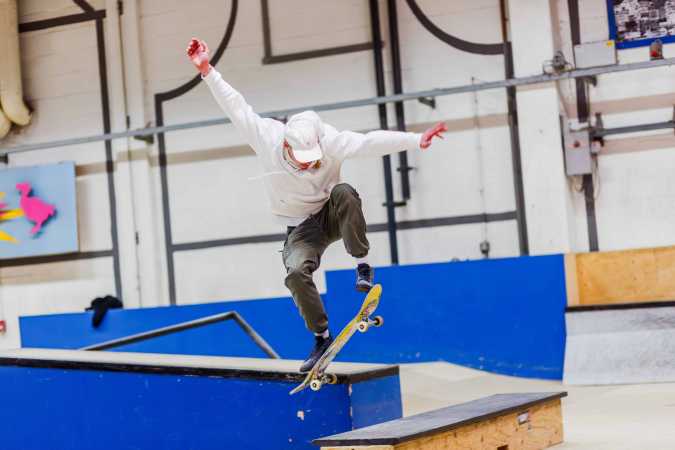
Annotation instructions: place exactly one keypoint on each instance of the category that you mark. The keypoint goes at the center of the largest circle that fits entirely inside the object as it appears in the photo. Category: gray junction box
(595, 54)
(578, 159)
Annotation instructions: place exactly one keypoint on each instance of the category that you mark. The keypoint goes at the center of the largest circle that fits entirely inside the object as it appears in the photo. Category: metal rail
(440, 92)
(602, 132)
(231, 315)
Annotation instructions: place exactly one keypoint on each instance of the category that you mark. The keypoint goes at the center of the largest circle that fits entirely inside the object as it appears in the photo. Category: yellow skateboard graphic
(362, 322)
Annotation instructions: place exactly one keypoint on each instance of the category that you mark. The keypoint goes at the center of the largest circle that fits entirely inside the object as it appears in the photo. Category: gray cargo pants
(340, 217)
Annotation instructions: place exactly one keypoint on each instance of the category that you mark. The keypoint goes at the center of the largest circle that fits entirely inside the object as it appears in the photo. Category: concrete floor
(622, 417)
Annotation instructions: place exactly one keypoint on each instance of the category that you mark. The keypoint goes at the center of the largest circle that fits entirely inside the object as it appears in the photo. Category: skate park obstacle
(531, 421)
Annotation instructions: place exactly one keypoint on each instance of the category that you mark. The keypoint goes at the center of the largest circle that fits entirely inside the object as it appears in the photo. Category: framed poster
(636, 23)
(38, 211)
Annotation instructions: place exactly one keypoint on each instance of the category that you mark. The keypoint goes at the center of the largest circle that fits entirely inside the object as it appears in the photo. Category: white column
(548, 199)
(122, 178)
(147, 229)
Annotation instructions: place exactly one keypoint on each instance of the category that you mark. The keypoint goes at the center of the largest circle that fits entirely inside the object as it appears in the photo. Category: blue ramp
(74, 400)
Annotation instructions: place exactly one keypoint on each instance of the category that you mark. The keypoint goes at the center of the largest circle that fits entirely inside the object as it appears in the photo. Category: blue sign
(38, 211)
(636, 23)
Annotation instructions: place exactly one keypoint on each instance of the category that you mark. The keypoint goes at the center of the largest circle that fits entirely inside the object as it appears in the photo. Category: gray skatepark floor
(618, 417)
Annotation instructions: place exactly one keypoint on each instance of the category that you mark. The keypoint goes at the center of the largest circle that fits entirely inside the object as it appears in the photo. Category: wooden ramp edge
(531, 421)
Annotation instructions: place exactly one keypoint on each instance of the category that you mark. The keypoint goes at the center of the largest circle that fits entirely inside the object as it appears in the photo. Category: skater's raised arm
(350, 144)
(261, 134)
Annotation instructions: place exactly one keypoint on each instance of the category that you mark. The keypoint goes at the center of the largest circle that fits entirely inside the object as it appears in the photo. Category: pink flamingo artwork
(33, 208)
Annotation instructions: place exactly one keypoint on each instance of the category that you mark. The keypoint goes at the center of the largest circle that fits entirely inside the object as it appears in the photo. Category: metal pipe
(171, 329)
(11, 88)
(602, 132)
(380, 100)
(382, 109)
(395, 47)
(109, 161)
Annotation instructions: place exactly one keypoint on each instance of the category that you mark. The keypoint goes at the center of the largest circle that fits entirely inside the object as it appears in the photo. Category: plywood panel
(571, 280)
(542, 429)
(643, 275)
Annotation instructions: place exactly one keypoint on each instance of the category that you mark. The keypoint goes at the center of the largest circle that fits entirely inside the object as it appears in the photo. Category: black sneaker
(321, 344)
(364, 277)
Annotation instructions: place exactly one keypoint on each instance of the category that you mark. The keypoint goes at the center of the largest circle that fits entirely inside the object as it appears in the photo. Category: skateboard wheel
(315, 385)
(330, 378)
(363, 327)
(378, 321)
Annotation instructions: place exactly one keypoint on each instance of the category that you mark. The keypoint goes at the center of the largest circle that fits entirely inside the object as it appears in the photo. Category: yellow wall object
(5, 124)
(11, 89)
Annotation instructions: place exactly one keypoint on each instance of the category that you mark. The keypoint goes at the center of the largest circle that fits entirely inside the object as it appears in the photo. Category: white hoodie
(295, 194)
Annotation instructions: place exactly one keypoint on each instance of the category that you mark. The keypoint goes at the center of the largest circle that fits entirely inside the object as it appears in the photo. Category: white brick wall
(211, 195)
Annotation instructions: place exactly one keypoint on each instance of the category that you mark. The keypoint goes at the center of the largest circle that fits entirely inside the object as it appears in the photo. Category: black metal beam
(395, 47)
(516, 157)
(320, 53)
(583, 110)
(460, 44)
(270, 58)
(597, 133)
(61, 21)
(372, 228)
(80, 256)
(382, 110)
(109, 164)
(86, 7)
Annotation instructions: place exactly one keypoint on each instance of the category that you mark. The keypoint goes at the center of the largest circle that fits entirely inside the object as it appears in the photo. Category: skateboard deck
(361, 322)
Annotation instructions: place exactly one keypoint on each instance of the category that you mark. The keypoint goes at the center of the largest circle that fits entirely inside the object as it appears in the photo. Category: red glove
(436, 131)
(198, 52)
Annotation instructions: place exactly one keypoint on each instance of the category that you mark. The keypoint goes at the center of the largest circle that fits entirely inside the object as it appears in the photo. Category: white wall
(634, 204)
(446, 182)
(210, 193)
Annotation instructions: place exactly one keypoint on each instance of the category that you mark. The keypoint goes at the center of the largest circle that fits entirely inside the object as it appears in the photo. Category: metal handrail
(146, 335)
(512, 82)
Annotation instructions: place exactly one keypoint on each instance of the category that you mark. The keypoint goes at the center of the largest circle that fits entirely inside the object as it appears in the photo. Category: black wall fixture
(89, 14)
(269, 58)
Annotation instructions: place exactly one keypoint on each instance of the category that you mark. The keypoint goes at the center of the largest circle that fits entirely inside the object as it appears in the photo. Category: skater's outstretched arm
(349, 144)
(261, 134)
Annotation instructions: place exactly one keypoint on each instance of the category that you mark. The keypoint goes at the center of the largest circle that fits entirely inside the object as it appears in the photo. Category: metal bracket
(395, 204)
(428, 101)
(485, 248)
(591, 80)
(599, 126)
(147, 138)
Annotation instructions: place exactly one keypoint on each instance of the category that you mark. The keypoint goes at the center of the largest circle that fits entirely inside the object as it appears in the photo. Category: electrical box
(578, 159)
(595, 54)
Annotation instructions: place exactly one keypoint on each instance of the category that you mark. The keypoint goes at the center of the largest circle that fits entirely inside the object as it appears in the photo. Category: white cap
(303, 133)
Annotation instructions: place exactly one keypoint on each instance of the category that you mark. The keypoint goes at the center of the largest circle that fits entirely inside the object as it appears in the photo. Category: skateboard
(361, 322)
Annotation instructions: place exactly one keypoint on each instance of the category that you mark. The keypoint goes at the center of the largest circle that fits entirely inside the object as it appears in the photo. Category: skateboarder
(302, 160)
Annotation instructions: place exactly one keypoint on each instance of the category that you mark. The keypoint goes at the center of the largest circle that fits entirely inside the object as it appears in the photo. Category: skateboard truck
(376, 321)
(326, 378)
